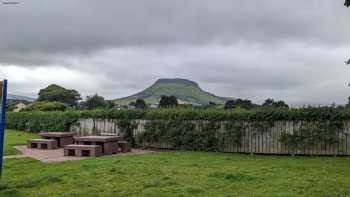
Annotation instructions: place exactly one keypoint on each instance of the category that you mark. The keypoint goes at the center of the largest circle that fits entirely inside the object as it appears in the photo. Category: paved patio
(50, 156)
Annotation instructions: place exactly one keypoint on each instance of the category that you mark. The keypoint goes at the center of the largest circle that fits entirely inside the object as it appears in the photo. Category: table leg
(110, 148)
(66, 140)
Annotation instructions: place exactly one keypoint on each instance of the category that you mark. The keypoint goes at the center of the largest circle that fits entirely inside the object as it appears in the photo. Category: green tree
(242, 103)
(212, 104)
(9, 107)
(230, 104)
(55, 93)
(281, 104)
(46, 106)
(110, 104)
(140, 104)
(94, 102)
(347, 3)
(268, 102)
(168, 101)
(272, 103)
(132, 103)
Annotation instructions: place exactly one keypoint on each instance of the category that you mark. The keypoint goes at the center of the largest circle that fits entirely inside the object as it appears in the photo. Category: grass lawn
(15, 138)
(177, 174)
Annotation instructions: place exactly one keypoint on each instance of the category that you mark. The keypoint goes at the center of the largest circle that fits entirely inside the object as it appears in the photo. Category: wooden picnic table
(62, 138)
(109, 144)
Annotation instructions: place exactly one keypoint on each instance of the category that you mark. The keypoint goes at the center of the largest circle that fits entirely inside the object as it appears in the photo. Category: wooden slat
(254, 140)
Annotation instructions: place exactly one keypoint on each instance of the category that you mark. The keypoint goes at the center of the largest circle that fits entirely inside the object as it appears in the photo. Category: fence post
(3, 95)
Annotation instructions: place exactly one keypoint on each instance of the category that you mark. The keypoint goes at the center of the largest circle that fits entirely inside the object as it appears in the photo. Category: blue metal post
(2, 122)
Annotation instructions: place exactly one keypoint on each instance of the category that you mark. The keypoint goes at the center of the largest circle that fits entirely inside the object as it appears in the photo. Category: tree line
(58, 98)
(247, 104)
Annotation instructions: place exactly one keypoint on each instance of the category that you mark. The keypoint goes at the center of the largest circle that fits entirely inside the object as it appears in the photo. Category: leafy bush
(140, 104)
(233, 132)
(168, 102)
(127, 128)
(94, 102)
(9, 107)
(40, 121)
(217, 130)
(46, 106)
(175, 133)
(55, 93)
(37, 120)
(309, 134)
(245, 104)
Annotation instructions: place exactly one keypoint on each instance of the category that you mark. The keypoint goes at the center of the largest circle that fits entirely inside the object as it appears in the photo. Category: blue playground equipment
(3, 95)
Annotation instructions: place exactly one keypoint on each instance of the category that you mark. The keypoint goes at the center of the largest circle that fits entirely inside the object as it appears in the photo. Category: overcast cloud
(290, 50)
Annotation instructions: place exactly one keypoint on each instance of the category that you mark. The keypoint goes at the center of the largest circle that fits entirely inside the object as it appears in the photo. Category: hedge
(220, 135)
(178, 128)
(60, 121)
(40, 121)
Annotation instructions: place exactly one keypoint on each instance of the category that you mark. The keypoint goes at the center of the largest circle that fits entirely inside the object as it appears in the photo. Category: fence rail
(254, 139)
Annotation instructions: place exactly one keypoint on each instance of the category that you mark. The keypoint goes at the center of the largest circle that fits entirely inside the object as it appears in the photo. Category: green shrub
(40, 121)
(46, 106)
(233, 132)
(310, 134)
(127, 128)
(190, 135)
(173, 118)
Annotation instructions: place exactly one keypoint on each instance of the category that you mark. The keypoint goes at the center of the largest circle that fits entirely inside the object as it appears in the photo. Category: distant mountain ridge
(185, 90)
(19, 98)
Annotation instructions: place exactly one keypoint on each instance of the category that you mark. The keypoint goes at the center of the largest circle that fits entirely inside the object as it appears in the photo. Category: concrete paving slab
(56, 155)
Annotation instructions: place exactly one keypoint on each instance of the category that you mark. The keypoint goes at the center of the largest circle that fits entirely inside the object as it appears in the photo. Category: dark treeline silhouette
(168, 101)
(248, 104)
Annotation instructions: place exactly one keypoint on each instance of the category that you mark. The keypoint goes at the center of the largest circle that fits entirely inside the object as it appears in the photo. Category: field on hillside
(177, 174)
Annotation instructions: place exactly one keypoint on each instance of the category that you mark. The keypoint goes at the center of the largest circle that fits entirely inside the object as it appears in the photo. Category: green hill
(185, 90)
(13, 97)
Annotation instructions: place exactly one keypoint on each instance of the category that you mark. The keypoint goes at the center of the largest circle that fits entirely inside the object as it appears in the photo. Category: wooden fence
(254, 140)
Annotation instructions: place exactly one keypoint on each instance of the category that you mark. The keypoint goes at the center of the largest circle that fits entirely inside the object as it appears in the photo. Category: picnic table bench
(109, 144)
(62, 138)
(83, 150)
(124, 146)
(42, 143)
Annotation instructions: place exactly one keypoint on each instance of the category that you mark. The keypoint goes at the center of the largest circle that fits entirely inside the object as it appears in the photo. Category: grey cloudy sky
(290, 50)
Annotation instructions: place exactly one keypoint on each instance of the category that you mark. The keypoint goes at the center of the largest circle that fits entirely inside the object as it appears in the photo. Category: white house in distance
(19, 106)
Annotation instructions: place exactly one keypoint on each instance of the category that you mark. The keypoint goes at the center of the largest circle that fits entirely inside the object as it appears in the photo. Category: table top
(79, 145)
(42, 140)
(56, 134)
(97, 138)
